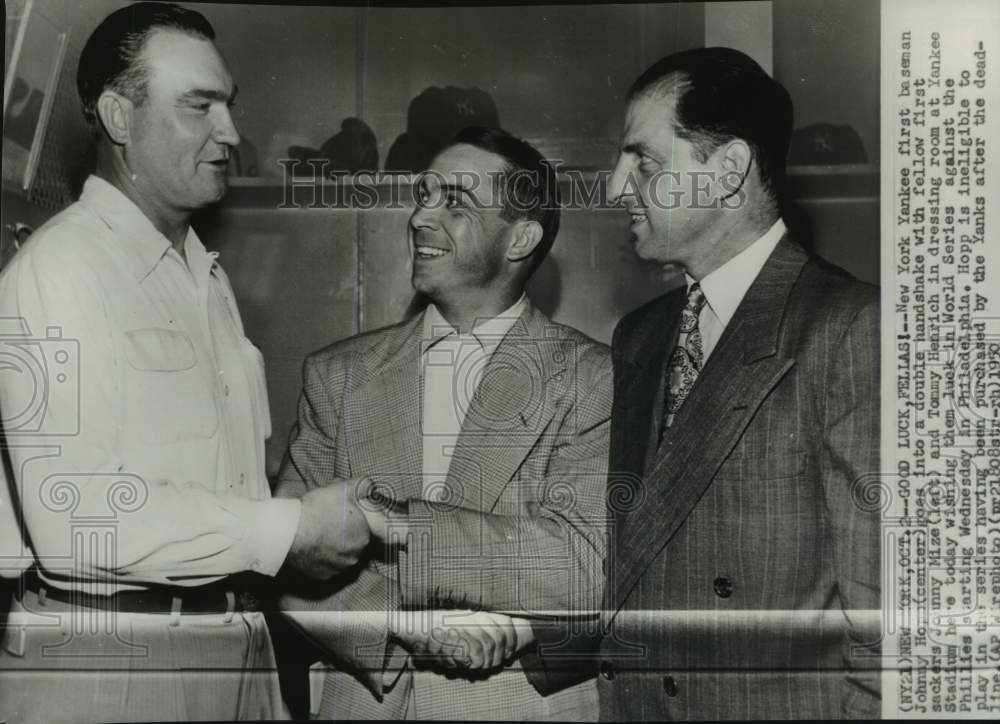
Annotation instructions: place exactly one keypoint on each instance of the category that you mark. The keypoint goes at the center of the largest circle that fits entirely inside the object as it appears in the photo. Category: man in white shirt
(746, 421)
(483, 426)
(136, 414)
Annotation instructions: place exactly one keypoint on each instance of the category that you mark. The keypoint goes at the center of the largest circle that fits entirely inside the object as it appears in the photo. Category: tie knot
(695, 299)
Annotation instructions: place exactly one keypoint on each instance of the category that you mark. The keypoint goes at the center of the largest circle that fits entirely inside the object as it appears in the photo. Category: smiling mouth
(637, 217)
(429, 252)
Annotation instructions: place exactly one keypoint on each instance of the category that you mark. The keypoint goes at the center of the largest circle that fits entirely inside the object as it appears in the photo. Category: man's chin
(212, 187)
(211, 195)
(650, 250)
(645, 248)
(221, 187)
(420, 283)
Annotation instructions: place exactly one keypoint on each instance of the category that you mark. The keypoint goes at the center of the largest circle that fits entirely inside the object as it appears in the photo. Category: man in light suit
(744, 546)
(484, 427)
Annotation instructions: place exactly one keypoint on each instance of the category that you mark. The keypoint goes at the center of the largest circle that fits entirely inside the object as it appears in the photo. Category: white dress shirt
(144, 461)
(725, 287)
(453, 365)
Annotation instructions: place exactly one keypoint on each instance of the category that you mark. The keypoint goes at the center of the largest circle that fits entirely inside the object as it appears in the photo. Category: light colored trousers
(60, 664)
(420, 694)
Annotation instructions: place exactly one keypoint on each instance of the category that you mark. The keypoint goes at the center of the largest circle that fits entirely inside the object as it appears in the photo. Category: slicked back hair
(721, 94)
(111, 57)
(528, 185)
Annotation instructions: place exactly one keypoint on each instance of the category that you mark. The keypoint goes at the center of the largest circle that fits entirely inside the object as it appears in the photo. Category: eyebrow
(210, 95)
(455, 187)
(475, 203)
(638, 148)
(422, 183)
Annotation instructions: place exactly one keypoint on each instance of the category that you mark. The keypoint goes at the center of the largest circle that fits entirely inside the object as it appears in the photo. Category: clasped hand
(337, 522)
(332, 531)
(457, 639)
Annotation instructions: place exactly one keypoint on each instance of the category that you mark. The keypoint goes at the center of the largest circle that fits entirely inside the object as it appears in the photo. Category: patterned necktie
(686, 359)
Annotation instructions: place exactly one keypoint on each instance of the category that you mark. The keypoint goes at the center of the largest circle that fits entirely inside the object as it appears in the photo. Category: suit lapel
(385, 442)
(745, 366)
(508, 412)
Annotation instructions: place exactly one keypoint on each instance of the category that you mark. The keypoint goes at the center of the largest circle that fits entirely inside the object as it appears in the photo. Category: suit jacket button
(669, 686)
(723, 587)
(608, 670)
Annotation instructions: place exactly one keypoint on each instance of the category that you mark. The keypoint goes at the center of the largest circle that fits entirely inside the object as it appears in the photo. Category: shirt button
(227, 390)
(608, 670)
(669, 686)
(243, 478)
(723, 587)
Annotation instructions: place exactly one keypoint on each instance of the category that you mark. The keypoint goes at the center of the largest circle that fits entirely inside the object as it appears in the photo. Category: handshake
(338, 522)
(333, 528)
(452, 639)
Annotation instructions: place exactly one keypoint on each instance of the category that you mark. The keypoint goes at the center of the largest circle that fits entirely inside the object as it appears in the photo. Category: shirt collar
(138, 242)
(725, 287)
(487, 333)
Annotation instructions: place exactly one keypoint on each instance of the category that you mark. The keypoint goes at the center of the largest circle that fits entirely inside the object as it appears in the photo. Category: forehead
(649, 120)
(466, 161)
(179, 62)
(470, 168)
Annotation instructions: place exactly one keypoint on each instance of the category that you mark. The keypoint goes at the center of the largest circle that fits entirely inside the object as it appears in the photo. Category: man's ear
(735, 159)
(526, 235)
(116, 113)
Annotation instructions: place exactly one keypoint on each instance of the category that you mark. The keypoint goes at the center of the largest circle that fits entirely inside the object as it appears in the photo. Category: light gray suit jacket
(522, 528)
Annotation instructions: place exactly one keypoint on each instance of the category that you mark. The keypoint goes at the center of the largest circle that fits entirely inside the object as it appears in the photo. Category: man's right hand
(332, 530)
(450, 639)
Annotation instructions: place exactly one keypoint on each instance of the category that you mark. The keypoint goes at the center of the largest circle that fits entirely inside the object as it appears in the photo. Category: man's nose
(424, 217)
(617, 184)
(225, 129)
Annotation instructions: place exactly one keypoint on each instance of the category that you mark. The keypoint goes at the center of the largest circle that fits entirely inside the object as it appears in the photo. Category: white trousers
(60, 664)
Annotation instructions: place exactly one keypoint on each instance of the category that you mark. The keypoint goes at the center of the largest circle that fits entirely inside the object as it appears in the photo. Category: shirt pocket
(167, 398)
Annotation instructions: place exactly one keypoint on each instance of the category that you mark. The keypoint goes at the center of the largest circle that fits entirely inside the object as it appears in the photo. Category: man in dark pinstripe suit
(743, 571)
(747, 413)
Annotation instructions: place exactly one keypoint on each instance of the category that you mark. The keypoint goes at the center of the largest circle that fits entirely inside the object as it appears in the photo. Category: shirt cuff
(272, 532)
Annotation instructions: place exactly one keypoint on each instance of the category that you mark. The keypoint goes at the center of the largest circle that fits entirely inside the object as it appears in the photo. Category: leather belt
(225, 596)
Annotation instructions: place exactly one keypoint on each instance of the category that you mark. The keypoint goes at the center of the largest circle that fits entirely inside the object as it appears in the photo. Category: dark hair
(528, 186)
(722, 94)
(110, 58)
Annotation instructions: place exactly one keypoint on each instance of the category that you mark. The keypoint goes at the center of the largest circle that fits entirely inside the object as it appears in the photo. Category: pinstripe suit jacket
(522, 528)
(745, 546)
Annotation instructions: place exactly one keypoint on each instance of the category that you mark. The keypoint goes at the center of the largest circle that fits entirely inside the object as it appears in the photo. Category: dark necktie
(686, 359)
